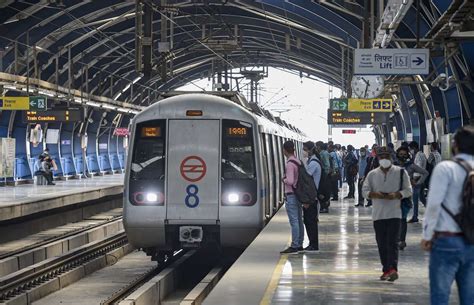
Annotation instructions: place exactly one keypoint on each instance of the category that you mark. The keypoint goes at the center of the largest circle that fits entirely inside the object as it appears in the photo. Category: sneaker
(368, 205)
(384, 276)
(413, 220)
(51, 183)
(311, 249)
(349, 197)
(402, 245)
(290, 250)
(392, 275)
(326, 210)
(300, 249)
(359, 205)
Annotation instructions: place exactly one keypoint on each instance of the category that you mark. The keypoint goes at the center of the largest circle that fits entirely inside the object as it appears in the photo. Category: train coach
(203, 169)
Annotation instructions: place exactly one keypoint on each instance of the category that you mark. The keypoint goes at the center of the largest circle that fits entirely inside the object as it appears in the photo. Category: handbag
(406, 203)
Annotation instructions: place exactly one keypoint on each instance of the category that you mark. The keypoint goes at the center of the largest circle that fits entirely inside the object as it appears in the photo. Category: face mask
(403, 158)
(385, 163)
(305, 154)
(412, 151)
(362, 154)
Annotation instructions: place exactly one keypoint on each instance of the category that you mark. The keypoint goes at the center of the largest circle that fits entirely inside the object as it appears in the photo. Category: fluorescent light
(108, 106)
(122, 110)
(93, 104)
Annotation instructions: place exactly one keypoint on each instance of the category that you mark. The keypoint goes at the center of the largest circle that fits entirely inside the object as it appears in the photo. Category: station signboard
(66, 115)
(391, 61)
(23, 102)
(361, 105)
(356, 118)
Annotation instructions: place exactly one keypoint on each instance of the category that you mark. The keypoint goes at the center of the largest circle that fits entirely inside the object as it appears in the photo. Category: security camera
(438, 80)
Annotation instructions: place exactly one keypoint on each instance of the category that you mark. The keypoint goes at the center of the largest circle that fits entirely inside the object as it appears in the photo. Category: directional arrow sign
(391, 61)
(38, 102)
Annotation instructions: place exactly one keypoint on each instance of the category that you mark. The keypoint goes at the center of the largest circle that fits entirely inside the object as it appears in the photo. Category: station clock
(367, 86)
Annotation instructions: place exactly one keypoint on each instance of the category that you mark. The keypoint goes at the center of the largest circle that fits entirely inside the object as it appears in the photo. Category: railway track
(28, 279)
(57, 237)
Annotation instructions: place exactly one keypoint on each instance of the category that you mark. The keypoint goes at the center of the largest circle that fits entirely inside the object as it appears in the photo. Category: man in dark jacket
(350, 165)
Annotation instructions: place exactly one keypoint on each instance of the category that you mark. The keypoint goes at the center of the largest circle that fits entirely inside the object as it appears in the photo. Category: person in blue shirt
(336, 175)
(310, 211)
(362, 165)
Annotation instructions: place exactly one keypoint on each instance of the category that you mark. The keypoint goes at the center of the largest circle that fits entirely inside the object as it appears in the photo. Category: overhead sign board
(23, 103)
(361, 105)
(391, 61)
(356, 118)
(71, 115)
(121, 132)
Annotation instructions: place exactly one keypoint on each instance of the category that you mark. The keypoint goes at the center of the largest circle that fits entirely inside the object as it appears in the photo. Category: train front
(192, 176)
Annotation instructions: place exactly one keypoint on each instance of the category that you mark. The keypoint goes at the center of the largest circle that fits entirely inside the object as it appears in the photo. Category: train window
(238, 160)
(148, 160)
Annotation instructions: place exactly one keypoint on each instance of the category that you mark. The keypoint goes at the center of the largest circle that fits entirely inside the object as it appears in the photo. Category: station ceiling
(314, 37)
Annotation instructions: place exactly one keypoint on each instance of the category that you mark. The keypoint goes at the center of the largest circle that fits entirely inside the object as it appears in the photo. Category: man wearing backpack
(448, 227)
(293, 207)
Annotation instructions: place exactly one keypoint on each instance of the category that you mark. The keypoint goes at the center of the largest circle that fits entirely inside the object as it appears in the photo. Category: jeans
(310, 216)
(359, 190)
(416, 199)
(295, 216)
(451, 258)
(387, 233)
(351, 183)
(334, 186)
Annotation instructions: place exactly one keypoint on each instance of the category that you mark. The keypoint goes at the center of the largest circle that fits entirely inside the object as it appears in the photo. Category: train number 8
(192, 200)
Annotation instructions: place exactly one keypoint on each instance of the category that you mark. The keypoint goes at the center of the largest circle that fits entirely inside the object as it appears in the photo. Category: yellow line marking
(272, 286)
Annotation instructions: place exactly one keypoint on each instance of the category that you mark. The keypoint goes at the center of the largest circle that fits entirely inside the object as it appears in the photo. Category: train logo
(193, 168)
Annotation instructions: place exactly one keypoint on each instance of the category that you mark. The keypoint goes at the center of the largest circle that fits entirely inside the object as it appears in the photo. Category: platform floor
(29, 193)
(345, 271)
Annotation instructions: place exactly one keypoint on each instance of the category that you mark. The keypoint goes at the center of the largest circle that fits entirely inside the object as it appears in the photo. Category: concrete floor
(347, 269)
(10, 195)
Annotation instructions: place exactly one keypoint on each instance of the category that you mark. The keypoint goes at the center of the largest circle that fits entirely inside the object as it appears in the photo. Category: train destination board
(361, 104)
(356, 118)
(71, 115)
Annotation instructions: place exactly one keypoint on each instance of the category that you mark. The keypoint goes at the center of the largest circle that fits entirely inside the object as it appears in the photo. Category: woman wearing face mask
(403, 157)
(386, 186)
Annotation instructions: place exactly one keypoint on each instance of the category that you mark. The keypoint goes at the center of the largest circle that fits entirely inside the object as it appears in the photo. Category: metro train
(203, 169)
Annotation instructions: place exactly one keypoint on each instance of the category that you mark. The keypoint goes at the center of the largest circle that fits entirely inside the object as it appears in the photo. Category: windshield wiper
(138, 167)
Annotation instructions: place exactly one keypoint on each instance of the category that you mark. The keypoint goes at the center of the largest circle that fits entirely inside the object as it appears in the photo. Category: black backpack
(305, 190)
(465, 219)
(324, 187)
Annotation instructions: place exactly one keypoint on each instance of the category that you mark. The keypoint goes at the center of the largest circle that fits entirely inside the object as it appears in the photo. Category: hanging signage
(361, 105)
(23, 103)
(121, 132)
(391, 61)
(356, 118)
(370, 105)
(349, 131)
(71, 115)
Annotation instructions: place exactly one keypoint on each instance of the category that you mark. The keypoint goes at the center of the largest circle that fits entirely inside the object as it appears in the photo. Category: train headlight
(233, 198)
(151, 197)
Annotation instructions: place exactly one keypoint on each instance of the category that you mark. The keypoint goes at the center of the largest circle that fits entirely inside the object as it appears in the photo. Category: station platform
(27, 199)
(345, 271)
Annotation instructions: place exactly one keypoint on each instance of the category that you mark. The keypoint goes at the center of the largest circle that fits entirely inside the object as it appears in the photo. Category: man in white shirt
(386, 186)
(420, 160)
(451, 256)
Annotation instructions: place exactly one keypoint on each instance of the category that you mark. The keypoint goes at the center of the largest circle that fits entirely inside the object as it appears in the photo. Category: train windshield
(149, 154)
(238, 160)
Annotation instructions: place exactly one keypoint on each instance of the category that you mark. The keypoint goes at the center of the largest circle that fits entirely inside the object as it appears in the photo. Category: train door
(266, 174)
(193, 173)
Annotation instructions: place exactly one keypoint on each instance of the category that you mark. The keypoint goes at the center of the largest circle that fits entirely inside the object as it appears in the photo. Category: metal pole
(69, 69)
(417, 23)
(342, 70)
(28, 62)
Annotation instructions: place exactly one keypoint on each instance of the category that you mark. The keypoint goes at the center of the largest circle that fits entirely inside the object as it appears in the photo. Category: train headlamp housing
(233, 198)
(148, 198)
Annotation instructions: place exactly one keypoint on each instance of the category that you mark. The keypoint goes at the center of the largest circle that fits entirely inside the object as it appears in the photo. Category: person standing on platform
(362, 166)
(321, 148)
(293, 207)
(451, 252)
(350, 164)
(311, 211)
(372, 163)
(386, 186)
(393, 154)
(419, 159)
(336, 176)
(403, 160)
